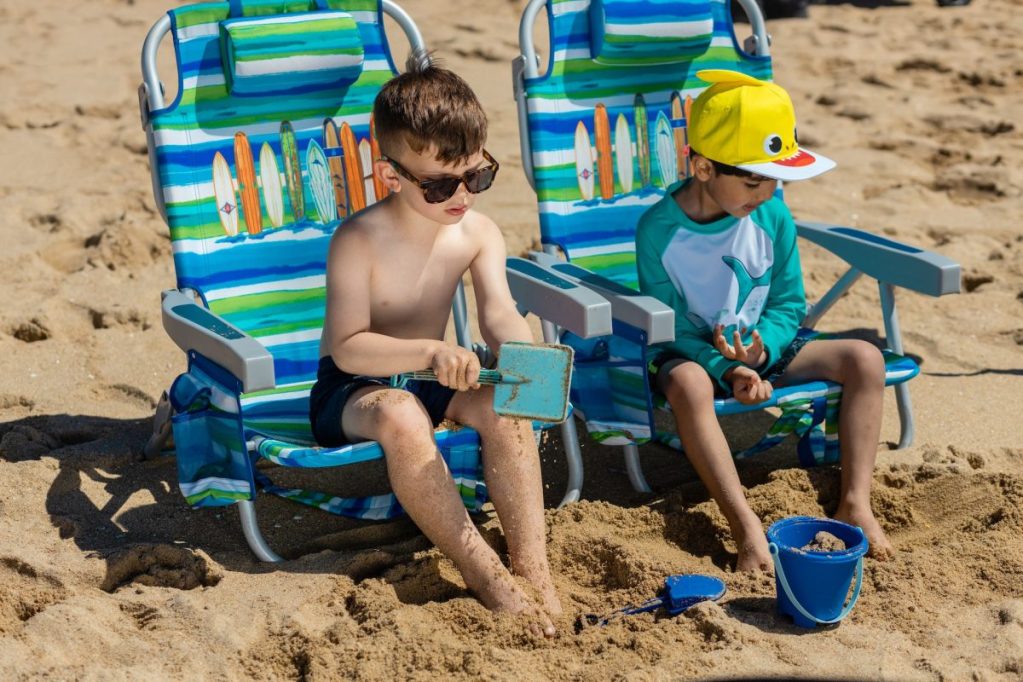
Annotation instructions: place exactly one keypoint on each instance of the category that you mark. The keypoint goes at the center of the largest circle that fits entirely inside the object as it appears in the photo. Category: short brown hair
(429, 105)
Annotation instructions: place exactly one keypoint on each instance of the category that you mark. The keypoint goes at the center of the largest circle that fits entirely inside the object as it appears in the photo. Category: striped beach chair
(603, 135)
(265, 150)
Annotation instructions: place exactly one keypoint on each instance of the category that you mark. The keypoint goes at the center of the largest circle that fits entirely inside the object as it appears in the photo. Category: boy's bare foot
(880, 547)
(500, 593)
(752, 544)
(540, 578)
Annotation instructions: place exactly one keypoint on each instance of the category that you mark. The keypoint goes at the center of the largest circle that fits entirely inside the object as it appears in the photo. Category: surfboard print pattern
(687, 109)
(366, 161)
(378, 185)
(642, 124)
(292, 171)
(246, 170)
(605, 165)
(623, 153)
(320, 182)
(678, 126)
(332, 147)
(667, 158)
(583, 161)
(270, 178)
(353, 170)
(223, 190)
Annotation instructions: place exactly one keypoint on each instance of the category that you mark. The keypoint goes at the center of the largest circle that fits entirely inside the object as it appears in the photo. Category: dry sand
(106, 574)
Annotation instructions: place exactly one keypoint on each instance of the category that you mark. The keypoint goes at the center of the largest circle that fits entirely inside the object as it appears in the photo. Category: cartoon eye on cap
(772, 144)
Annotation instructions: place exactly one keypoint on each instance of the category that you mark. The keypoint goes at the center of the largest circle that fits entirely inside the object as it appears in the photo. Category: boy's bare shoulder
(480, 228)
(355, 234)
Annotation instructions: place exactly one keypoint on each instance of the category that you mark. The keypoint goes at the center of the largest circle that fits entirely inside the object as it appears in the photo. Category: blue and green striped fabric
(249, 237)
(596, 232)
(607, 139)
(279, 54)
(645, 32)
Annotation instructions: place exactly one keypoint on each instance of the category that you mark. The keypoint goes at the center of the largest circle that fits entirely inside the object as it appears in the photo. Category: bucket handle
(780, 572)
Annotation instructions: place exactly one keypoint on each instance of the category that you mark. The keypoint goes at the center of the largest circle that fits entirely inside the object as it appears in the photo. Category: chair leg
(573, 454)
(635, 469)
(905, 416)
(894, 336)
(247, 509)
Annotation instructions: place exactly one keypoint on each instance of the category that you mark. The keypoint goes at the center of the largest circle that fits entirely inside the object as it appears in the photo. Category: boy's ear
(703, 169)
(385, 171)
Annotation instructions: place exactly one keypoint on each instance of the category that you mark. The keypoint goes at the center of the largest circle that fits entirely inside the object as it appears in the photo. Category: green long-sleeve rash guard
(739, 272)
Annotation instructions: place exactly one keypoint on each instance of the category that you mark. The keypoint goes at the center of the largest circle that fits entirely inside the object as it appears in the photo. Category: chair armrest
(644, 312)
(887, 260)
(541, 291)
(194, 328)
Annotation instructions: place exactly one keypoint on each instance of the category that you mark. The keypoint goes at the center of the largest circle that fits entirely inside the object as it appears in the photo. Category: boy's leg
(423, 484)
(690, 391)
(511, 467)
(859, 367)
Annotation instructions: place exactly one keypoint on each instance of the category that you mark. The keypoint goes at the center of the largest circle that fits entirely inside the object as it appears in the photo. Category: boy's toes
(880, 549)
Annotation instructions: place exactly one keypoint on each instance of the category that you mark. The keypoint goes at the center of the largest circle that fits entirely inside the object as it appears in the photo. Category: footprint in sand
(25, 592)
(30, 331)
(974, 280)
(23, 442)
(131, 394)
(118, 317)
(160, 566)
(922, 64)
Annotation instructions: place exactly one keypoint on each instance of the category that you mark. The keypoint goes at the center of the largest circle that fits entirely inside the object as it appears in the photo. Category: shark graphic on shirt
(747, 282)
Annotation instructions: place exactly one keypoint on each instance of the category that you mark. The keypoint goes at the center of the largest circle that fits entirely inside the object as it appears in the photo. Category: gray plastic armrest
(629, 306)
(887, 260)
(557, 299)
(193, 327)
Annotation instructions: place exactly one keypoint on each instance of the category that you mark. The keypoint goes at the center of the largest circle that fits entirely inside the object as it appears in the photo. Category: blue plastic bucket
(812, 586)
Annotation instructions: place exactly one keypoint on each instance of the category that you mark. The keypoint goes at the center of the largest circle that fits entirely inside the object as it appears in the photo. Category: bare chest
(411, 289)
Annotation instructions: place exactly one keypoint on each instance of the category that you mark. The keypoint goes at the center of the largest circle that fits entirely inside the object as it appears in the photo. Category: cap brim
(802, 165)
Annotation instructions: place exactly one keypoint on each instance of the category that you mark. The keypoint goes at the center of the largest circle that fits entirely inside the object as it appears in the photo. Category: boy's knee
(399, 415)
(688, 384)
(865, 362)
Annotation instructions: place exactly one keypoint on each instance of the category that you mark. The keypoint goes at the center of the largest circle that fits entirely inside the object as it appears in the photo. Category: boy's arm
(786, 301)
(499, 319)
(690, 341)
(353, 347)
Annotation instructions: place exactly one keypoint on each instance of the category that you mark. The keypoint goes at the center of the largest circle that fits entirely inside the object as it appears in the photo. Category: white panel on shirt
(695, 264)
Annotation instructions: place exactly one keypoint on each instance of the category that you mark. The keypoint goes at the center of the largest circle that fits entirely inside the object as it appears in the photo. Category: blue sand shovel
(679, 593)
(531, 381)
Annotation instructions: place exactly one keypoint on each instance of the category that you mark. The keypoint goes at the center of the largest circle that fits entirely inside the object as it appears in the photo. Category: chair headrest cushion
(287, 52)
(645, 32)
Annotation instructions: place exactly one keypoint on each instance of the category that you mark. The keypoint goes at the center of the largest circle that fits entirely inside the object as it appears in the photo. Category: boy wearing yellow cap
(720, 249)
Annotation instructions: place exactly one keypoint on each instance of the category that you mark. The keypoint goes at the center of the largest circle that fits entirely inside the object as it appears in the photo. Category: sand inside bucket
(824, 542)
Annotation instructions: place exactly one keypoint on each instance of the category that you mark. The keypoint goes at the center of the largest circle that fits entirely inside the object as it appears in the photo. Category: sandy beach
(105, 573)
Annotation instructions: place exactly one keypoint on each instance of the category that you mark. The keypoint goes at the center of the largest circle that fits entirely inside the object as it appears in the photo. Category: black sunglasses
(439, 190)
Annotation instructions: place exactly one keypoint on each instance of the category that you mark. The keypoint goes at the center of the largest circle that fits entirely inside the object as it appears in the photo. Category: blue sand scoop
(679, 593)
(531, 381)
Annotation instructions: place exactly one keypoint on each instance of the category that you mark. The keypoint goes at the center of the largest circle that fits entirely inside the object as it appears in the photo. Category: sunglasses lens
(479, 180)
(437, 191)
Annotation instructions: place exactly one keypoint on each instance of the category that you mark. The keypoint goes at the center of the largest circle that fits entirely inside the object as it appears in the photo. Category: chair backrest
(267, 146)
(607, 121)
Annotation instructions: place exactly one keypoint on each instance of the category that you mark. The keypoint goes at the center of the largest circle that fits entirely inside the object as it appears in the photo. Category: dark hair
(429, 105)
(725, 169)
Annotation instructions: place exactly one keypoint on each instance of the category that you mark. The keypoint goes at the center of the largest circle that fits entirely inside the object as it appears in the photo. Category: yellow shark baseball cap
(748, 123)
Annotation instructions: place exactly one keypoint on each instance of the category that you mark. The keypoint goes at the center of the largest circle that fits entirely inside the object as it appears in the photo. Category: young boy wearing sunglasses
(392, 271)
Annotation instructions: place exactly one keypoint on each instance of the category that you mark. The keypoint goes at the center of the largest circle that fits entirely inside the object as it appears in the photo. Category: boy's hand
(748, 388)
(752, 355)
(456, 367)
